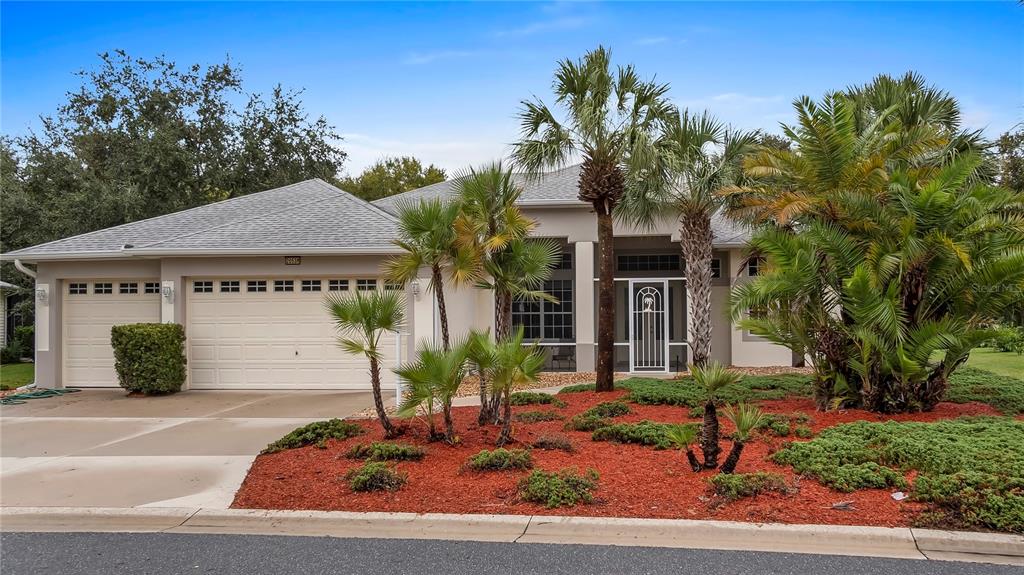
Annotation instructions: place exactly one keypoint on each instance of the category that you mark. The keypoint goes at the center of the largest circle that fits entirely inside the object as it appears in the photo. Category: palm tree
(682, 437)
(495, 251)
(712, 378)
(612, 121)
(427, 237)
(703, 159)
(434, 378)
(515, 364)
(481, 354)
(746, 418)
(361, 321)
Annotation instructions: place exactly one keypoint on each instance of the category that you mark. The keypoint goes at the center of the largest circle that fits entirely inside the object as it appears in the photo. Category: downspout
(21, 268)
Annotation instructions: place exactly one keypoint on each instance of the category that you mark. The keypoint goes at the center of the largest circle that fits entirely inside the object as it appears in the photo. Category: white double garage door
(241, 333)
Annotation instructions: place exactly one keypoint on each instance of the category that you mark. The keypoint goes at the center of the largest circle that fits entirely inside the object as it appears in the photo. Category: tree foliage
(391, 176)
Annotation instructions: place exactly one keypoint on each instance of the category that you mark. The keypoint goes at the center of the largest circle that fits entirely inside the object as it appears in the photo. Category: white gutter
(21, 268)
(136, 252)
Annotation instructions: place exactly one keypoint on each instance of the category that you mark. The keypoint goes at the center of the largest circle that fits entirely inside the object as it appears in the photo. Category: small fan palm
(682, 437)
(746, 418)
(482, 355)
(433, 379)
(515, 364)
(712, 378)
(427, 237)
(361, 321)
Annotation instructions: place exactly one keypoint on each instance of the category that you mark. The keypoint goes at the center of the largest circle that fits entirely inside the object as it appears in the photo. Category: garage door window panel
(256, 286)
(78, 289)
(202, 287)
(284, 285)
(103, 288)
(230, 286)
(337, 285)
(311, 285)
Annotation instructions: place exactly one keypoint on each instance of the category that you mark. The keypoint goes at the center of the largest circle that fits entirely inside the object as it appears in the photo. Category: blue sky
(443, 81)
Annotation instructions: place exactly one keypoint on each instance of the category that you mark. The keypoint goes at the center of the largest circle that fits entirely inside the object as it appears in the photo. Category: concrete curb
(817, 539)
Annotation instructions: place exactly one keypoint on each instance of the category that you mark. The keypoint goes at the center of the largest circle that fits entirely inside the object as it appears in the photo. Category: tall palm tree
(361, 321)
(434, 378)
(612, 120)
(494, 250)
(703, 158)
(427, 237)
(515, 364)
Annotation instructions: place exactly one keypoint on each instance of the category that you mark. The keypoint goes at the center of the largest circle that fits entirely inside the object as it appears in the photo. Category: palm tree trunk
(449, 425)
(506, 424)
(695, 239)
(485, 406)
(692, 459)
(502, 314)
(734, 457)
(442, 312)
(606, 301)
(709, 436)
(378, 401)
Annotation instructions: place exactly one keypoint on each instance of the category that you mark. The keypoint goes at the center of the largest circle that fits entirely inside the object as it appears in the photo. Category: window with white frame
(151, 287)
(78, 289)
(648, 262)
(230, 286)
(202, 287)
(102, 288)
(546, 320)
(754, 266)
(128, 288)
(311, 285)
(256, 286)
(366, 284)
(716, 268)
(394, 286)
(284, 285)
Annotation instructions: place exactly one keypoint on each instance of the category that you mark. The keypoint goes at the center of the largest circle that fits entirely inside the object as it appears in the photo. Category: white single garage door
(90, 308)
(274, 333)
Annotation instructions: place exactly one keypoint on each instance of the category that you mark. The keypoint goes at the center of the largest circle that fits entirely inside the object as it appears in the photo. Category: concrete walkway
(100, 448)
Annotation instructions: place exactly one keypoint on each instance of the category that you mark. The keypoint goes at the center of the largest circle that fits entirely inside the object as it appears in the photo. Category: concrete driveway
(99, 448)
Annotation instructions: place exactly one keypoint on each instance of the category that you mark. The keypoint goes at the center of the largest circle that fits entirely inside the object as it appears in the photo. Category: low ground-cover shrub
(149, 358)
(597, 416)
(685, 392)
(970, 469)
(733, 486)
(535, 398)
(554, 441)
(562, 489)
(375, 476)
(782, 425)
(581, 387)
(382, 451)
(500, 459)
(1001, 392)
(538, 416)
(643, 433)
(316, 433)
(608, 409)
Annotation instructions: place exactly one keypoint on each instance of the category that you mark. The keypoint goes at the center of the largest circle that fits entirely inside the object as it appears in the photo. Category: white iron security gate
(648, 325)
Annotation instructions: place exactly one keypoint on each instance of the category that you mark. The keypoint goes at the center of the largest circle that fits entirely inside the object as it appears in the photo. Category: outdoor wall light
(168, 293)
(415, 285)
(42, 296)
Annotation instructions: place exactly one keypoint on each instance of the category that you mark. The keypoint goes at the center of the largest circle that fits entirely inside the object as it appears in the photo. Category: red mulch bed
(635, 481)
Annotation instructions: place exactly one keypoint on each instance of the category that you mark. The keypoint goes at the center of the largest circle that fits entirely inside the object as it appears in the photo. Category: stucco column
(584, 311)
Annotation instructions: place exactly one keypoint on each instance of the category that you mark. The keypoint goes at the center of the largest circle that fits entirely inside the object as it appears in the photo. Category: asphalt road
(109, 553)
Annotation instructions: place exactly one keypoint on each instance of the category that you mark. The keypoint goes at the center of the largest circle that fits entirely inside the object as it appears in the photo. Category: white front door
(648, 326)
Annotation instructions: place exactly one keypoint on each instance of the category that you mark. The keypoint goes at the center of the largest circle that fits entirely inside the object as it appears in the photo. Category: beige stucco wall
(749, 350)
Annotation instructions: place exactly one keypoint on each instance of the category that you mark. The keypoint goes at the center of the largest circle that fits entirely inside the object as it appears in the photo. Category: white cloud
(452, 154)
(419, 58)
(652, 40)
(543, 26)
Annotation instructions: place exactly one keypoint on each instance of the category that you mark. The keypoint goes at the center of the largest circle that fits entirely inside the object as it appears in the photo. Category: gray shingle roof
(311, 214)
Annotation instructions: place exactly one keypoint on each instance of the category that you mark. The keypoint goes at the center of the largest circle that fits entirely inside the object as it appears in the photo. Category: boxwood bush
(149, 357)
(375, 476)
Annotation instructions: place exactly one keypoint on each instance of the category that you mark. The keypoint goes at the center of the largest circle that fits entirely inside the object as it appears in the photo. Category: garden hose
(19, 398)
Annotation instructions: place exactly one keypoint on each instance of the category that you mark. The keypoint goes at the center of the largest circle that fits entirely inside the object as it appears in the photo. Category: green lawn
(1003, 363)
(15, 375)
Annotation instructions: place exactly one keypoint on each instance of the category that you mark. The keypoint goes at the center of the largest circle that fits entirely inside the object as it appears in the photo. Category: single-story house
(246, 277)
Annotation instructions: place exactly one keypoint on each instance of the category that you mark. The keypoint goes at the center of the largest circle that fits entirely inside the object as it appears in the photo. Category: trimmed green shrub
(733, 486)
(375, 476)
(586, 422)
(11, 353)
(777, 424)
(25, 338)
(316, 433)
(643, 433)
(382, 451)
(534, 398)
(1001, 392)
(149, 358)
(578, 388)
(538, 416)
(803, 432)
(554, 441)
(685, 392)
(501, 459)
(971, 470)
(609, 409)
(562, 489)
